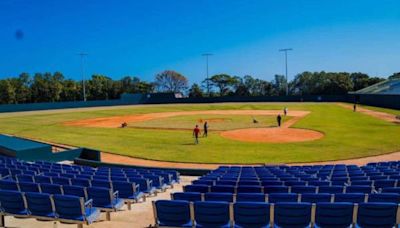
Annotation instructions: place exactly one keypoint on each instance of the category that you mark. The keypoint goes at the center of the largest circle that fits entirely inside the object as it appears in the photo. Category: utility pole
(83, 55)
(208, 81)
(286, 70)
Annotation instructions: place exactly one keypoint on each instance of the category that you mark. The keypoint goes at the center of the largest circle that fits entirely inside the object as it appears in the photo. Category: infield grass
(347, 134)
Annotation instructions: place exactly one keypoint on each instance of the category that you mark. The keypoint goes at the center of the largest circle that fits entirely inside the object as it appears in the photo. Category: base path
(116, 121)
(380, 115)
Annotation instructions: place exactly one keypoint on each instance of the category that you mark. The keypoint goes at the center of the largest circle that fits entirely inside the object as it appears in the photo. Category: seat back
(330, 189)
(40, 204)
(80, 182)
(188, 196)
(61, 180)
(75, 191)
(196, 188)
(334, 214)
(69, 207)
(218, 196)
(101, 184)
(282, 197)
(384, 197)
(350, 197)
(303, 189)
(125, 189)
(51, 188)
(173, 213)
(316, 197)
(211, 214)
(8, 185)
(250, 197)
(24, 178)
(42, 180)
(376, 214)
(251, 214)
(292, 214)
(358, 189)
(102, 197)
(223, 188)
(249, 189)
(13, 202)
(28, 187)
(276, 189)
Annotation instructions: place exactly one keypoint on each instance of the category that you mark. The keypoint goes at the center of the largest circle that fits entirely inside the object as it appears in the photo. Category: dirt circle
(272, 135)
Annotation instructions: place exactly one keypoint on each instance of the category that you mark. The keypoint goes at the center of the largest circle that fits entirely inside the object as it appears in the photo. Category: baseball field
(241, 133)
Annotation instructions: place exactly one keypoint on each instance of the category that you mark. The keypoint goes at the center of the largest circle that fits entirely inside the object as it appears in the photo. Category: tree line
(54, 87)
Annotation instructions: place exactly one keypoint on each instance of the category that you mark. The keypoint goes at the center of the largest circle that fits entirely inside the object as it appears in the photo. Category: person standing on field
(279, 120)
(196, 132)
(205, 132)
(354, 107)
(285, 110)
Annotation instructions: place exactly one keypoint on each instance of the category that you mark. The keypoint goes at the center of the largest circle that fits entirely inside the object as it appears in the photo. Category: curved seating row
(180, 213)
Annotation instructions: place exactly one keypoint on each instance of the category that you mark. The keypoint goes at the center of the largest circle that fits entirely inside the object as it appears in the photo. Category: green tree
(224, 82)
(196, 91)
(171, 81)
(7, 92)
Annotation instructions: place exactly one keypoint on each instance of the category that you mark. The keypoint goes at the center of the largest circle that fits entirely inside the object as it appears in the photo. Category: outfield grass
(347, 135)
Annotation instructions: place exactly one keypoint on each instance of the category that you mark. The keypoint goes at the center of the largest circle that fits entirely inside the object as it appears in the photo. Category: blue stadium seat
(295, 183)
(276, 189)
(282, 197)
(249, 189)
(381, 215)
(330, 189)
(226, 182)
(128, 191)
(80, 182)
(40, 205)
(42, 180)
(334, 215)
(292, 214)
(359, 189)
(51, 188)
(105, 199)
(350, 197)
(13, 203)
(223, 188)
(316, 197)
(188, 196)
(319, 183)
(196, 188)
(24, 178)
(362, 183)
(172, 213)
(303, 189)
(250, 197)
(28, 187)
(249, 183)
(145, 185)
(73, 209)
(384, 197)
(203, 182)
(211, 214)
(101, 184)
(61, 180)
(218, 196)
(251, 214)
(378, 184)
(8, 185)
(73, 190)
(391, 190)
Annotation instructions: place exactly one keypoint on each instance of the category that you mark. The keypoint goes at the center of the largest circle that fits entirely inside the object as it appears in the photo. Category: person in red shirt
(196, 133)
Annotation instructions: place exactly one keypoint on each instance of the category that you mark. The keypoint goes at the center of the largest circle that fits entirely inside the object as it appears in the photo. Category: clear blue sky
(142, 38)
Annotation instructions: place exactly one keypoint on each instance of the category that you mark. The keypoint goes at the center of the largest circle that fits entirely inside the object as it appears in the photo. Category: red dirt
(115, 121)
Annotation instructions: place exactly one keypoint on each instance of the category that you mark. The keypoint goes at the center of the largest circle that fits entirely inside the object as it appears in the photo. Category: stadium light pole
(287, 82)
(208, 81)
(83, 55)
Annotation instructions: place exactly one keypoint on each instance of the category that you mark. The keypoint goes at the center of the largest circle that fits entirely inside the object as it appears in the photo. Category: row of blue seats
(280, 189)
(63, 208)
(130, 192)
(145, 185)
(288, 197)
(376, 183)
(180, 213)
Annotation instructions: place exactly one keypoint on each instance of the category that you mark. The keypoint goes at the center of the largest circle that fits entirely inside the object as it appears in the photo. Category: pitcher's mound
(272, 135)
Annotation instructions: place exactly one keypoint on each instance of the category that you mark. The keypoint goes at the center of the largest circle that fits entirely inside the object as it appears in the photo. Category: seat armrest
(89, 203)
(115, 194)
